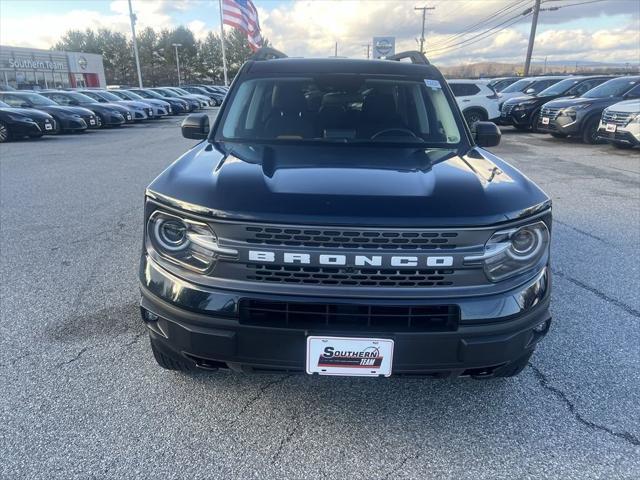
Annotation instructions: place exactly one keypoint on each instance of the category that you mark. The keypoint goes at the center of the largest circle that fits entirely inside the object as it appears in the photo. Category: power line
(489, 31)
(494, 16)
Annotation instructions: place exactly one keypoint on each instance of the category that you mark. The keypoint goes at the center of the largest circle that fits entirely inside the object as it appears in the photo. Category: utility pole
(532, 37)
(368, 45)
(133, 18)
(176, 45)
(424, 18)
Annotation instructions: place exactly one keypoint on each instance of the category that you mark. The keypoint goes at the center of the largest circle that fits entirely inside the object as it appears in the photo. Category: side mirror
(196, 126)
(529, 91)
(487, 134)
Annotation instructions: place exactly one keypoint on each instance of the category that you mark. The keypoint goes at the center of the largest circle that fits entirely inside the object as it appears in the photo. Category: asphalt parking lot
(81, 396)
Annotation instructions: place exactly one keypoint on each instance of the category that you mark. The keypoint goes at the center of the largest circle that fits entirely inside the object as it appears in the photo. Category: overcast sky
(602, 30)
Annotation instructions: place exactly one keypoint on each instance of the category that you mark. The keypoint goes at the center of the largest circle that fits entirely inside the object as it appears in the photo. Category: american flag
(242, 14)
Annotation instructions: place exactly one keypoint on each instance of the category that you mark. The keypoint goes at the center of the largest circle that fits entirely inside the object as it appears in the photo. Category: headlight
(522, 105)
(635, 119)
(513, 251)
(572, 110)
(184, 241)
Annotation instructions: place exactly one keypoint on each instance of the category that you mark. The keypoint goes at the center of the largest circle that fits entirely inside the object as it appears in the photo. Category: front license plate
(128, 116)
(350, 357)
(545, 120)
(92, 121)
(611, 127)
(48, 126)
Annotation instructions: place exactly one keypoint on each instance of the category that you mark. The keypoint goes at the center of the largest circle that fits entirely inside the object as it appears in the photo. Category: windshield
(79, 97)
(39, 100)
(109, 96)
(179, 90)
(560, 87)
(166, 92)
(613, 88)
(4, 105)
(341, 108)
(518, 86)
(131, 95)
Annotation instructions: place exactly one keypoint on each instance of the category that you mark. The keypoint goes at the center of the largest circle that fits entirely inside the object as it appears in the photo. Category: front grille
(552, 113)
(336, 238)
(365, 277)
(349, 317)
(618, 118)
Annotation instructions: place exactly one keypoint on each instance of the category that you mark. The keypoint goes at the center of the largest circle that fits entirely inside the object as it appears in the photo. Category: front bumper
(563, 124)
(73, 124)
(622, 135)
(205, 327)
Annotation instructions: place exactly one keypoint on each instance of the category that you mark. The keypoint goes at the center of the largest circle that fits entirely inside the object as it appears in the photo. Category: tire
(590, 131)
(5, 135)
(559, 135)
(534, 122)
(474, 115)
(168, 361)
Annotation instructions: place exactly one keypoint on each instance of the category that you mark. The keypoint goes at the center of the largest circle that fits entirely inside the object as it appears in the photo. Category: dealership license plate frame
(545, 120)
(48, 126)
(611, 127)
(356, 368)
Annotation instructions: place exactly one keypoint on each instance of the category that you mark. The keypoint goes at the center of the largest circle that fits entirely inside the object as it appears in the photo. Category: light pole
(176, 45)
(133, 18)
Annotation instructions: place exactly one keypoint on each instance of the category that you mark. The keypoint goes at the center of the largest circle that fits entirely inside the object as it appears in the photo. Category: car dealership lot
(82, 397)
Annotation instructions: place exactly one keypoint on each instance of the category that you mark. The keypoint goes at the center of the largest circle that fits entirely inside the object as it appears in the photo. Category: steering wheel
(389, 130)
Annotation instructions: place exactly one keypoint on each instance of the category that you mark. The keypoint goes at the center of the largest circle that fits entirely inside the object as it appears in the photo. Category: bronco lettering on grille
(351, 260)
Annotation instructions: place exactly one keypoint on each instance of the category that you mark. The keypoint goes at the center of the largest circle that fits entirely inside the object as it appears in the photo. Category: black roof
(340, 65)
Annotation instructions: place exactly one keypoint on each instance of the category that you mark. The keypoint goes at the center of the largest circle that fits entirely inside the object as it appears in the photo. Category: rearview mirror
(196, 126)
(487, 134)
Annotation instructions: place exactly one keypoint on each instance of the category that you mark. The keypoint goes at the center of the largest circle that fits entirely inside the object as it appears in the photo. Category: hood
(28, 112)
(514, 100)
(573, 101)
(115, 106)
(154, 101)
(628, 106)
(350, 185)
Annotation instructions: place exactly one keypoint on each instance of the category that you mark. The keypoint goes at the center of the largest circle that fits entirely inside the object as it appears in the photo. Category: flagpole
(224, 55)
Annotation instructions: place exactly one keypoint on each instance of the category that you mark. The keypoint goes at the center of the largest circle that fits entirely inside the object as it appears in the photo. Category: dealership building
(28, 68)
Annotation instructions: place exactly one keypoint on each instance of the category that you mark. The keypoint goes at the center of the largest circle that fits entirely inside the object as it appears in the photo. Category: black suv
(524, 112)
(339, 218)
(581, 116)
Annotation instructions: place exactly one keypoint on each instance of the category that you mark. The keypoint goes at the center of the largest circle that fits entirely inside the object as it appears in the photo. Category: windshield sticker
(435, 84)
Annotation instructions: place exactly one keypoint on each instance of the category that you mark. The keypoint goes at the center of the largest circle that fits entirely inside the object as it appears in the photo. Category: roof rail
(267, 53)
(415, 56)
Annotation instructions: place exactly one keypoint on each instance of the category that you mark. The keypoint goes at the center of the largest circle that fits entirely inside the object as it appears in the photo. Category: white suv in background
(477, 101)
(620, 124)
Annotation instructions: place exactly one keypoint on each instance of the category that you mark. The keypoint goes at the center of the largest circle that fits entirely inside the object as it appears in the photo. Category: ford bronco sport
(340, 218)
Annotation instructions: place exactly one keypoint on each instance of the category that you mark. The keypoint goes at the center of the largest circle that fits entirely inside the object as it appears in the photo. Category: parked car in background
(523, 112)
(620, 124)
(109, 114)
(194, 103)
(68, 118)
(16, 123)
(581, 116)
(198, 90)
(204, 100)
(160, 108)
(7, 88)
(527, 86)
(499, 84)
(179, 106)
(140, 110)
(476, 100)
